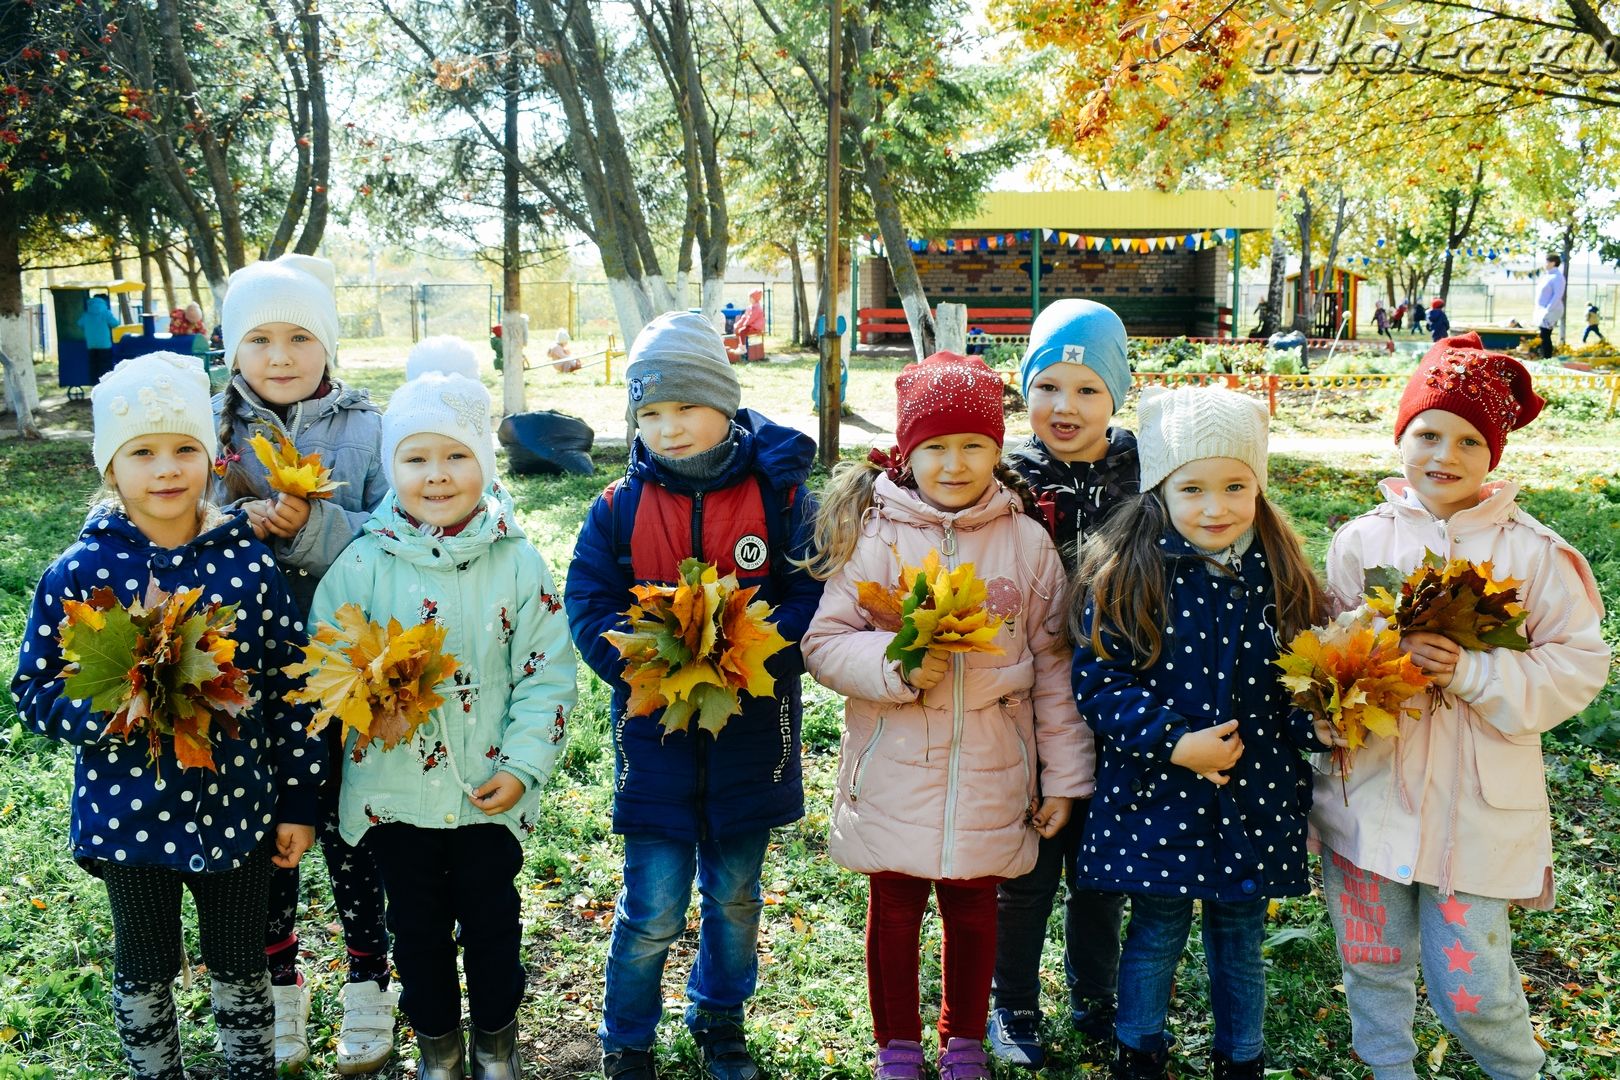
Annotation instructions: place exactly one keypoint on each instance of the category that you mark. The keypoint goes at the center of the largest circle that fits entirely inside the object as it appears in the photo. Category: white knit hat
(295, 289)
(1194, 422)
(450, 405)
(161, 393)
(446, 354)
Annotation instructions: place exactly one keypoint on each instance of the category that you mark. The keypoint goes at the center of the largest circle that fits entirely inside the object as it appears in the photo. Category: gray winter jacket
(345, 428)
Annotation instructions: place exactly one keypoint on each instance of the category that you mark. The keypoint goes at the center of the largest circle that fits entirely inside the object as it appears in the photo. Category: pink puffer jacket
(938, 787)
(1459, 800)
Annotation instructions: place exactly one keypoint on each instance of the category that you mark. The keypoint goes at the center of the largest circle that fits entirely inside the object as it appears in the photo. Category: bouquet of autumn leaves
(1353, 674)
(377, 682)
(159, 667)
(931, 607)
(293, 473)
(693, 647)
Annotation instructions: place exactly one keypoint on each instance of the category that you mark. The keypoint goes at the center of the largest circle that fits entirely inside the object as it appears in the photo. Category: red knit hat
(947, 394)
(1489, 390)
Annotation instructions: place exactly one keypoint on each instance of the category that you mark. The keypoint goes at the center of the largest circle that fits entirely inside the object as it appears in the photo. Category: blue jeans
(1154, 941)
(651, 914)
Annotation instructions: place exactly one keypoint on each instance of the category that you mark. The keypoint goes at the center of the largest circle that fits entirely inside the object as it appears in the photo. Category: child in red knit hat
(1435, 833)
(951, 771)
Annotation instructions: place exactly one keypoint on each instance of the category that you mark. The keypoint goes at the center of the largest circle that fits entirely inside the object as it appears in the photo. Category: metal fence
(1490, 304)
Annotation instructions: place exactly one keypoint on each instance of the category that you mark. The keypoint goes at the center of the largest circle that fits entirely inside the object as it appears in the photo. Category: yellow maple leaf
(379, 684)
(692, 647)
(292, 473)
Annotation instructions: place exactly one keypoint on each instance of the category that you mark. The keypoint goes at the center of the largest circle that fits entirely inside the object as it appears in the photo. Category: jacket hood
(221, 527)
(249, 406)
(1496, 501)
(781, 455)
(905, 506)
(1120, 455)
(426, 546)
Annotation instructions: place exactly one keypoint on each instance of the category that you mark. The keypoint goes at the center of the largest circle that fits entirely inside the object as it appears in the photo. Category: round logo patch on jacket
(750, 552)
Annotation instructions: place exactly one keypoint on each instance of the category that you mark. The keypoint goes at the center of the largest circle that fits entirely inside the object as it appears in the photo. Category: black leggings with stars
(145, 903)
(357, 891)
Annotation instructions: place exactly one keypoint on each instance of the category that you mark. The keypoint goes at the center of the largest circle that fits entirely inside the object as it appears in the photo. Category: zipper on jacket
(958, 678)
(699, 734)
(697, 526)
(866, 757)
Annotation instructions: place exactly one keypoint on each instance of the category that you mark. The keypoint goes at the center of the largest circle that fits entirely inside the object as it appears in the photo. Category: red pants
(894, 916)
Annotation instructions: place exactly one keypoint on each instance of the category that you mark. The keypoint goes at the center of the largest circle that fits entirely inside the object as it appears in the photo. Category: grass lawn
(809, 1018)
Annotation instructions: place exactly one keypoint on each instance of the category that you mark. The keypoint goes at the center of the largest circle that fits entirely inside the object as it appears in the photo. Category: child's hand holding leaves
(930, 673)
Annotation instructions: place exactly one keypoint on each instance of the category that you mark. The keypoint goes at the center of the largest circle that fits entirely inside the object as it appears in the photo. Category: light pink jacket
(1459, 800)
(938, 787)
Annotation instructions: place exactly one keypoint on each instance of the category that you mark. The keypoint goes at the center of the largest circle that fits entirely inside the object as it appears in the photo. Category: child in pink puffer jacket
(949, 774)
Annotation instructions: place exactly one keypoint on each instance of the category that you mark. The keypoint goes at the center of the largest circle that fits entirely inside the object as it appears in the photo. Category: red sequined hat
(1489, 390)
(947, 394)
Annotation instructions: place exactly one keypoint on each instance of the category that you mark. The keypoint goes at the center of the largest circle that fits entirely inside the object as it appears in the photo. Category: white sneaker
(367, 1037)
(292, 1020)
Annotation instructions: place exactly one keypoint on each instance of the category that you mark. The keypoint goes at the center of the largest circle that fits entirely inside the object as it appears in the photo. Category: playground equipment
(75, 371)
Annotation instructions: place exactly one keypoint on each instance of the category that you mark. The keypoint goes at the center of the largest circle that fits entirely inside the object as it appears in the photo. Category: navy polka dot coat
(1162, 829)
(125, 810)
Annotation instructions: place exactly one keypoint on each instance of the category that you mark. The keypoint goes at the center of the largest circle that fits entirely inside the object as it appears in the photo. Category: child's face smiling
(680, 429)
(437, 479)
(283, 363)
(1069, 408)
(1445, 459)
(160, 480)
(953, 471)
(1211, 501)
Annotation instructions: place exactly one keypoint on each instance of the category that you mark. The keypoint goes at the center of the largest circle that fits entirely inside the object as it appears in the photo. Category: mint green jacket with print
(507, 706)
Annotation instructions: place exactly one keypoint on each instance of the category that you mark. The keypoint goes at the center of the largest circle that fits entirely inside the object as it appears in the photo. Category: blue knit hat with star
(1080, 332)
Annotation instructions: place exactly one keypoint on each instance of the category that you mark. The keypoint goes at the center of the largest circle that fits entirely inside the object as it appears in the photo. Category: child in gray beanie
(725, 486)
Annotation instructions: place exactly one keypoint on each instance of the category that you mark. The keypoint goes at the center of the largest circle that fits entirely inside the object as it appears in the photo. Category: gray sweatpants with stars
(1465, 944)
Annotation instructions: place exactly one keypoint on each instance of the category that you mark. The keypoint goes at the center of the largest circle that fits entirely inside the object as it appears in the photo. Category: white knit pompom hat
(295, 289)
(1194, 422)
(161, 393)
(446, 354)
(450, 405)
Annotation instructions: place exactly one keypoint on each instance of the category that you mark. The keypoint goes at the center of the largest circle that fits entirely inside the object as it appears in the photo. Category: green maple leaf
(103, 657)
(716, 705)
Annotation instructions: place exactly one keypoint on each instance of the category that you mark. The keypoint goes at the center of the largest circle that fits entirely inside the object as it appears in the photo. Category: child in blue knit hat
(1075, 375)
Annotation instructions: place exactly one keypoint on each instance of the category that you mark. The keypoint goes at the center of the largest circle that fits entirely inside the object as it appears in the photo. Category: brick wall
(1158, 293)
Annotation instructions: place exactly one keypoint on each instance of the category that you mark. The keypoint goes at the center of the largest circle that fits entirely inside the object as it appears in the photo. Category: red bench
(871, 321)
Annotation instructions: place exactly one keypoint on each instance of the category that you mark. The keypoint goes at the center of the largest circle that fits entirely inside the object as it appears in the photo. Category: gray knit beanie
(679, 357)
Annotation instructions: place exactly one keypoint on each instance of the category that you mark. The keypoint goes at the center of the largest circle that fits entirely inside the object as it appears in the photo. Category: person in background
(1439, 321)
(750, 323)
(96, 322)
(1550, 288)
(562, 358)
(187, 320)
(1592, 324)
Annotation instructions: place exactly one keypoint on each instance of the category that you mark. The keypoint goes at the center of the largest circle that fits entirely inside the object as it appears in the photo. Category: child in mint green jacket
(443, 813)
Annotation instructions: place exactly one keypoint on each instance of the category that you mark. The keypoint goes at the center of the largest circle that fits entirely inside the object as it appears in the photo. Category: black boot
(1132, 1064)
(494, 1054)
(725, 1053)
(441, 1056)
(629, 1065)
(1227, 1069)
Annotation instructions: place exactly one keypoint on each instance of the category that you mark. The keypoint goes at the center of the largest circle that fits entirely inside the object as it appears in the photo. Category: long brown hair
(1122, 571)
(846, 497)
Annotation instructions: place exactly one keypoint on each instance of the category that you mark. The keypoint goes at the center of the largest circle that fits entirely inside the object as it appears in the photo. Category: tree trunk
(22, 387)
(1456, 234)
(166, 275)
(115, 260)
(1276, 286)
(1333, 261)
(513, 398)
(216, 166)
(320, 133)
(1305, 300)
(801, 306)
(1564, 253)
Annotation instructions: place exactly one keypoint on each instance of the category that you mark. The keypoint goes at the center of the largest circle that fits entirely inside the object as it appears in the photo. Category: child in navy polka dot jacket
(1202, 783)
(149, 830)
